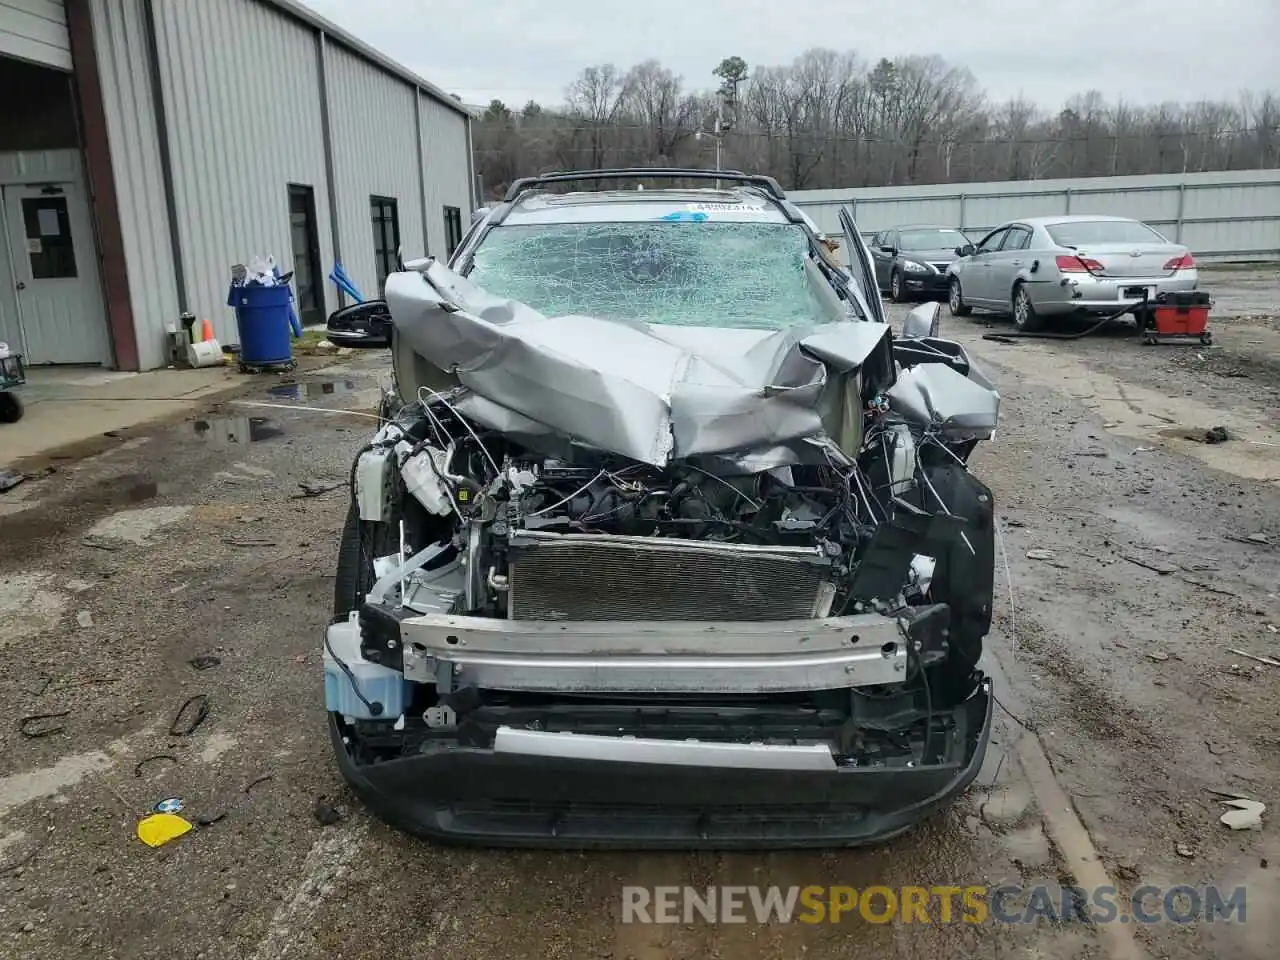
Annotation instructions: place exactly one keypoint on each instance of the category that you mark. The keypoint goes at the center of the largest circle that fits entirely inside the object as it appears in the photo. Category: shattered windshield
(684, 272)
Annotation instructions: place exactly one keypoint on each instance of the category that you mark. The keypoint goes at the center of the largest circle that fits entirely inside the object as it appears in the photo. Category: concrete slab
(68, 405)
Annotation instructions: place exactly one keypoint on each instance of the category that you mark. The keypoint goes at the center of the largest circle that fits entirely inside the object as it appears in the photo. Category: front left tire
(896, 292)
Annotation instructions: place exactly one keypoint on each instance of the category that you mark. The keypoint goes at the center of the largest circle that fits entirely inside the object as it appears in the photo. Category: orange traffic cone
(206, 331)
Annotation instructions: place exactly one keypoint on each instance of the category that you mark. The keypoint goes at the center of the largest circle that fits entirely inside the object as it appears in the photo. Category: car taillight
(1079, 265)
(1184, 262)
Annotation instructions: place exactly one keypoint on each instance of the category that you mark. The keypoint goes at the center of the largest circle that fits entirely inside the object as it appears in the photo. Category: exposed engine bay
(794, 571)
(516, 533)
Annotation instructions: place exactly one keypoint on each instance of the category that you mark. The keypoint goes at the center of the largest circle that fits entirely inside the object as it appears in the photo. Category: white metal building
(148, 145)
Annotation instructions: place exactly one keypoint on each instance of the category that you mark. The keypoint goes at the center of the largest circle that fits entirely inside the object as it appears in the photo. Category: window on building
(386, 237)
(53, 256)
(452, 230)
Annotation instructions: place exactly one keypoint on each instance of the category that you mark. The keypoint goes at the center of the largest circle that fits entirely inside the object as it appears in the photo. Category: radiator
(603, 577)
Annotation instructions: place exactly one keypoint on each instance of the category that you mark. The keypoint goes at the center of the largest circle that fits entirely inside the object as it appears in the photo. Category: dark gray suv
(912, 262)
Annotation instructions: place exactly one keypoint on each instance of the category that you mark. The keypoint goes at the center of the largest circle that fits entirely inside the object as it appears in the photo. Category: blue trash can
(262, 319)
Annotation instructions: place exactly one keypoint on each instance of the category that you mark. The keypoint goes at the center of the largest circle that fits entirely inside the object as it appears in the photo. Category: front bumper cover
(926, 282)
(473, 795)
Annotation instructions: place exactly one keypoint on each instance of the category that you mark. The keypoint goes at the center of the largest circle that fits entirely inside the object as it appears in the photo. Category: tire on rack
(10, 407)
(1024, 313)
(955, 299)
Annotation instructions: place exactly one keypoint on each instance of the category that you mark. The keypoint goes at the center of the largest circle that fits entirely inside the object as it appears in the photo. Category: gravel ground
(119, 570)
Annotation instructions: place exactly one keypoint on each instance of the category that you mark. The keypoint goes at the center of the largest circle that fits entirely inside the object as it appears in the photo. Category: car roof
(734, 204)
(923, 226)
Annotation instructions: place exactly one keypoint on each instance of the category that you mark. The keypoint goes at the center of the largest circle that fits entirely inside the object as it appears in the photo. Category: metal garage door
(35, 30)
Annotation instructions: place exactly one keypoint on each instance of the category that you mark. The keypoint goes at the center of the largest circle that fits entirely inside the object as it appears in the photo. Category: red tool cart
(1178, 316)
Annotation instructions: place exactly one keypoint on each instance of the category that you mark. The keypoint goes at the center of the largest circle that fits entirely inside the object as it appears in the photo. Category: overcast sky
(1146, 51)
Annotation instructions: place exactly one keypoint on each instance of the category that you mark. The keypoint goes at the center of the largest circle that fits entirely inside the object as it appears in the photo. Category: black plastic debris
(189, 716)
(317, 488)
(37, 725)
(326, 813)
(248, 787)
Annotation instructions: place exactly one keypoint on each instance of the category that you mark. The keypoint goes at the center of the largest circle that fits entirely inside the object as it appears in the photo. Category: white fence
(1229, 214)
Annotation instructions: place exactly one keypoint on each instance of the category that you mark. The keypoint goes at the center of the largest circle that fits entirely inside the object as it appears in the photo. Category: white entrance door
(60, 312)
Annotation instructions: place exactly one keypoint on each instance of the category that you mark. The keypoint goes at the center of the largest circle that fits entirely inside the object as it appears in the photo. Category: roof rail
(525, 184)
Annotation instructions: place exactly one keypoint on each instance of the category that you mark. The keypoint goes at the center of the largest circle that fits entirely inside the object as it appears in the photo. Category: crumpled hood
(651, 393)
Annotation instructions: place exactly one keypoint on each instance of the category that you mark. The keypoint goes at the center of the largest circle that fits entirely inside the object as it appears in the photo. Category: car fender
(1039, 287)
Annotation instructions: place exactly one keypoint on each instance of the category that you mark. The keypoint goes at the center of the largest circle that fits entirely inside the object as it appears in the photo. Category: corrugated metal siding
(35, 30)
(241, 87)
(240, 82)
(1225, 213)
(445, 153)
(372, 119)
(120, 38)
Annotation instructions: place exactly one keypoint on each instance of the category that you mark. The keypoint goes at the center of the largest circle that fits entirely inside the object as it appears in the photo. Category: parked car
(1044, 267)
(913, 261)
(636, 557)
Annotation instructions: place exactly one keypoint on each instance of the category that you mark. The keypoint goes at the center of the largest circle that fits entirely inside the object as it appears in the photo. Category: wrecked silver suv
(666, 539)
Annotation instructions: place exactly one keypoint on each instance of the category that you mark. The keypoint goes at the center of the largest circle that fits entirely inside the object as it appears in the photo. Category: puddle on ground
(222, 431)
(312, 388)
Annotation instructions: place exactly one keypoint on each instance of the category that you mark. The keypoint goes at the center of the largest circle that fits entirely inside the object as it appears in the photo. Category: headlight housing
(914, 266)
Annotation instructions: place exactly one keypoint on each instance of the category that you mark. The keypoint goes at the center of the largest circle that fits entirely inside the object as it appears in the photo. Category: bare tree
(596, 99)
(654, 100)
(830, 120)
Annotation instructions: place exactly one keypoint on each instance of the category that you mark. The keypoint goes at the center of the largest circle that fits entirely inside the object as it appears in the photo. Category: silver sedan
(1054, 266)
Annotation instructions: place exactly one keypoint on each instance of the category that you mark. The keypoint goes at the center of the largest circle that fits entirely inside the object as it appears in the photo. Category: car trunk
(1131, 259)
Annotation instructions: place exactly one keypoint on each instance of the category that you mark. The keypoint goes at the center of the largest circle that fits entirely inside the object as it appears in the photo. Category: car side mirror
(886, 248)
(965, 250)
(922, 321)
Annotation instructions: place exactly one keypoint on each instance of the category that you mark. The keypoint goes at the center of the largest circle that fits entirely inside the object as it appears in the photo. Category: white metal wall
(241, 86)
(446, 150)
(35, 30)
(1223, 214)
(373, 125)
(120, 38)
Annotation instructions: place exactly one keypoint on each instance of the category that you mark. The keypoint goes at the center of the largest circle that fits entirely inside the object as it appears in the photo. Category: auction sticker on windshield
(726, 207)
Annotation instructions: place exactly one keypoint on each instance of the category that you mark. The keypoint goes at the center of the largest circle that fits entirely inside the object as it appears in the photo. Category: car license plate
(1137, 293)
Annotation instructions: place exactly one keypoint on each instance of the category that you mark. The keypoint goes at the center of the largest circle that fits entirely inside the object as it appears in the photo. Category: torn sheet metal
(652, 393)
(938, 395)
